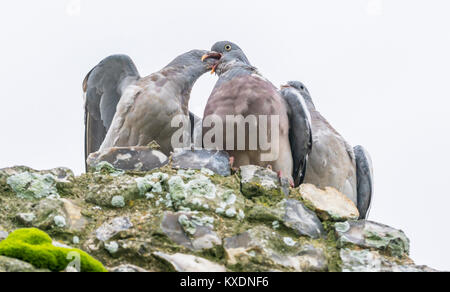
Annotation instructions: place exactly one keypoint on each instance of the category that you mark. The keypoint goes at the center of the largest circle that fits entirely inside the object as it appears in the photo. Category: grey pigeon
(333, 162)
(123, 109)
(242, 91)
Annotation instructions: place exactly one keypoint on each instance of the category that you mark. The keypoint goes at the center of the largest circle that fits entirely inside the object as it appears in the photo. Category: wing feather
(364, 174)
(300, 132)
(103, 88)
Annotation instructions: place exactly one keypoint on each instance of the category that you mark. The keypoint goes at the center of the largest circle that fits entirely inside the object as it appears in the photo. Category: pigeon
(122, 109)
(243, 94)
(333, 162)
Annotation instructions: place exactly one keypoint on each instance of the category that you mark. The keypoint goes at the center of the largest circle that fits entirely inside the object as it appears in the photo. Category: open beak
(213, 55)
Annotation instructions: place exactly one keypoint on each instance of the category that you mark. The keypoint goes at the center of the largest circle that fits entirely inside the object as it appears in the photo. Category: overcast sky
(377, 70)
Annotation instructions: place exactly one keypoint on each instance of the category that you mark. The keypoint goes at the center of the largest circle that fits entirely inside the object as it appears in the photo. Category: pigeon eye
(228, 48)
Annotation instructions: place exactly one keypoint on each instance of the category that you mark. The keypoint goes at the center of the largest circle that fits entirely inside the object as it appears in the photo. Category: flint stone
(203, 238)
(11, 265)
(127, 269)
(190, 264)
(271, 245)
(329, 204)
(136, 158)
(372, 261)
(112, 228)
(216, 161)
(3, 235)
(302, 220)
(367, 234)
(292, 214)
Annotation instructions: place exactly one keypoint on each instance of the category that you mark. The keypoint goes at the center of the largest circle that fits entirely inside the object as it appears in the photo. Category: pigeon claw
(231, 161)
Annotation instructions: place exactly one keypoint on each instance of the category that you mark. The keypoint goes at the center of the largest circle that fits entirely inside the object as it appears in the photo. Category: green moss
(35, 247)
(332, 251)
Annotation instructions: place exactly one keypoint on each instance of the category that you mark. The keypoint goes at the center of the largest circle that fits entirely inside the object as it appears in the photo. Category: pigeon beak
(212, 55)
(284, 86)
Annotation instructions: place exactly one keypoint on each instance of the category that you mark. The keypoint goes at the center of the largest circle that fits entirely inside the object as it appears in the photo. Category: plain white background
(377, 70)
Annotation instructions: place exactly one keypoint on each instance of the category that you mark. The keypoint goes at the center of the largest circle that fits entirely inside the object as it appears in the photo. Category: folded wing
(364, 174)
(300, 132)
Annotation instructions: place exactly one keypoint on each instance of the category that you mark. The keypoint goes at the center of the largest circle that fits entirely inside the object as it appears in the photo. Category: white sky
(377, 70)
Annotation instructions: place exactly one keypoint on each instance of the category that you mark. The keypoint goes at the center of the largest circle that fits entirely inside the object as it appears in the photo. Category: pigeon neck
(232, 70)
(227, 68)
(183, 78)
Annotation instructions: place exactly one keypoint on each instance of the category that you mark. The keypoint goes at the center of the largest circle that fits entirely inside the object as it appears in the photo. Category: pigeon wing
(103, 88)
(300, 132)
(364, 174)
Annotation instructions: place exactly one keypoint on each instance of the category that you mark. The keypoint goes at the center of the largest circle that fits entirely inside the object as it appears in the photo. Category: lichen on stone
(118, 202)
(197, 215)
(112, 247)
(60, 221)
(29, 185)
(107, 168)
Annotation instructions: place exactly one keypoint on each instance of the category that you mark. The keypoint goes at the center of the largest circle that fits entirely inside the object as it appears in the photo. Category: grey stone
(282, 251)
(112, 228)
(190, 264)
(202, 237)
(26, 218)
(11, 265)
(216, 161)
(367, 234)
(3, 235)
(292, 214)
(60, 244)
(372, 261)
(302, 220)
(127, 268)
(360, 261)
(136, 158)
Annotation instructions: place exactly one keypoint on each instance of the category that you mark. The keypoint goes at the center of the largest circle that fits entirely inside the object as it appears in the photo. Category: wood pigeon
(122, 109)
(252, 101)
(333, 162)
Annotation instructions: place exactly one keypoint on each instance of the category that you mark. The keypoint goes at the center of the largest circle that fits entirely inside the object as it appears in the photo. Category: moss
(215, 254)
(35, 247)
(332, 251)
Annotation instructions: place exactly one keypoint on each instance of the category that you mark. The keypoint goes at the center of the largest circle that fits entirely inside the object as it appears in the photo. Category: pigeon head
(226, 53)
(300, 87)
(193, 60)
